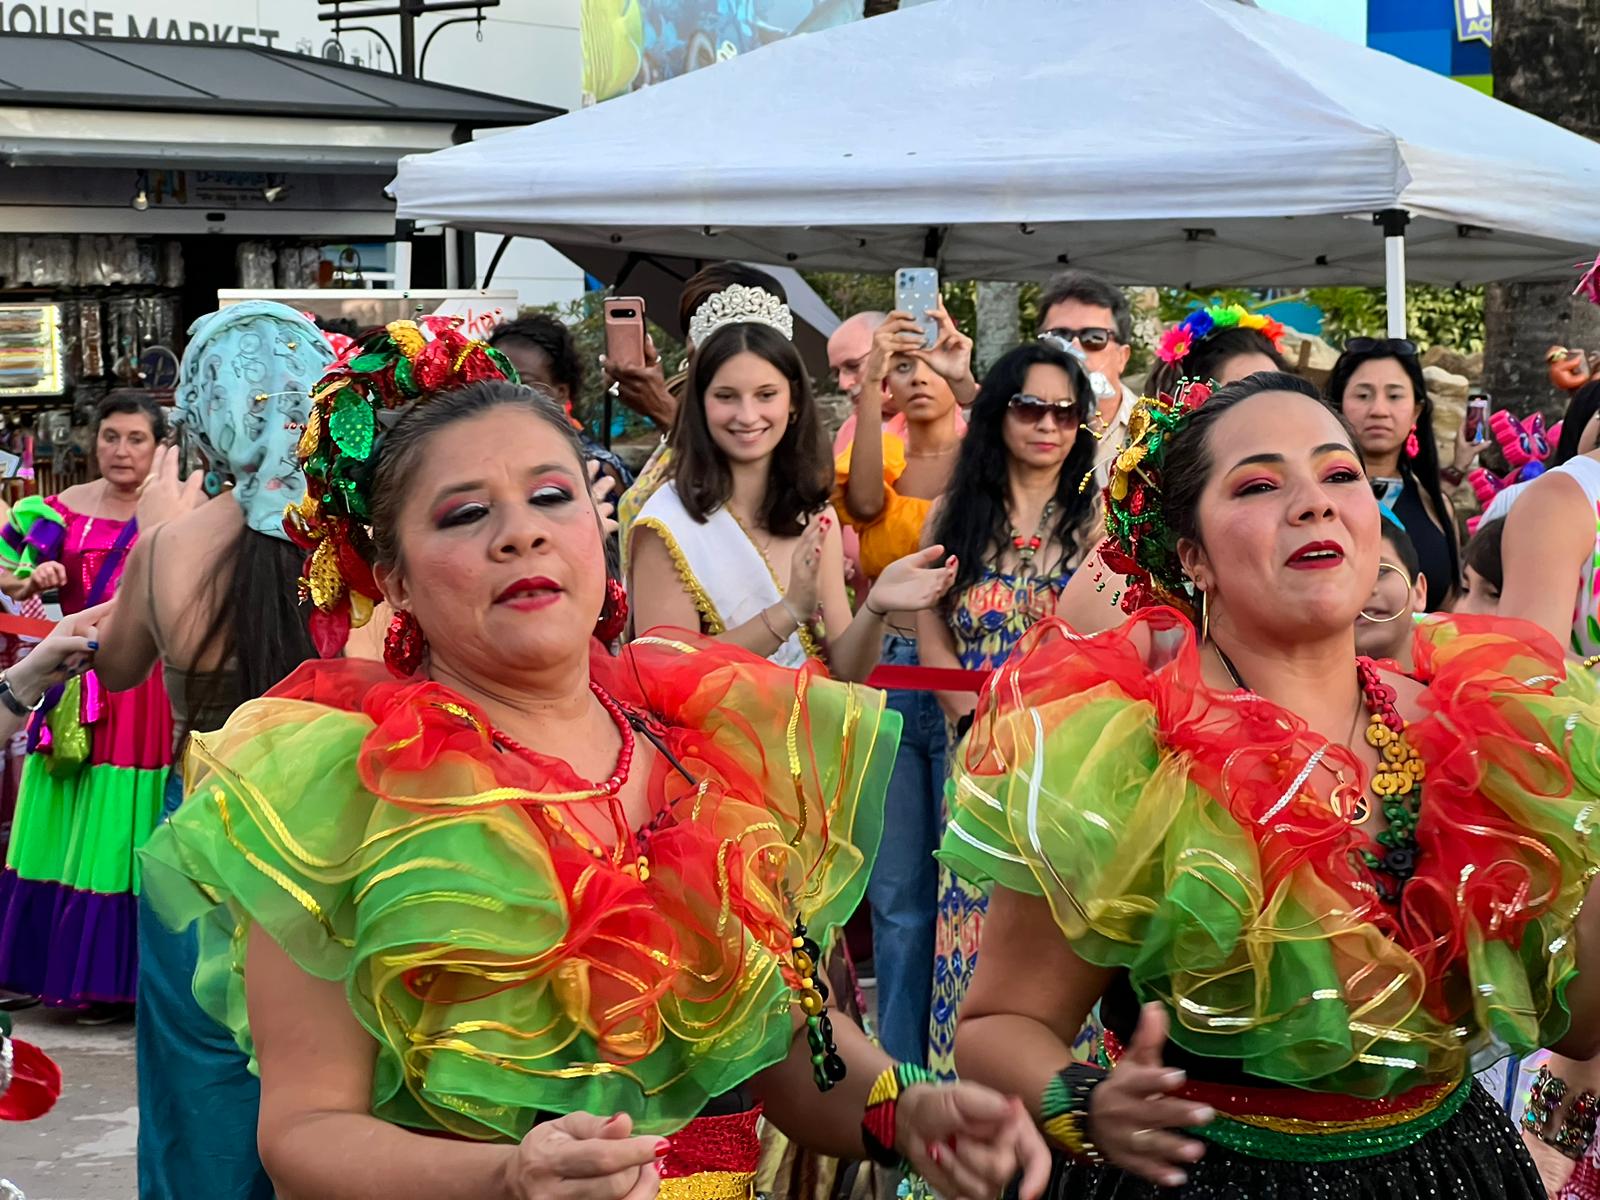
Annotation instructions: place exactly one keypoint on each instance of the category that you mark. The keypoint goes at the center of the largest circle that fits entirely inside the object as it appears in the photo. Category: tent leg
(1393, 222)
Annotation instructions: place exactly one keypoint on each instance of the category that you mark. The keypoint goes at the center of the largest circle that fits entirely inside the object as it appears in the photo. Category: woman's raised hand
(584, 1157)
(913, 583)
(804, 590)
(1131, 1113)
(46, 577)
(162, 496)
(602, 489)
(951, 354)
(899, 334)
(969, 1143)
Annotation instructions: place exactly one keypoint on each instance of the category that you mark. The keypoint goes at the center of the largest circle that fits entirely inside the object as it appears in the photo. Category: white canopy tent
(1175, 142)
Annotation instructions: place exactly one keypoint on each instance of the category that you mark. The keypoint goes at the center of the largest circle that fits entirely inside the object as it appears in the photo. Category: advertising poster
(628, 44)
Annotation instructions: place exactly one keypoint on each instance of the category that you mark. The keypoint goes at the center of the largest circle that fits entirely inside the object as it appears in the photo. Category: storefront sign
(102, 22)
(212, 22)
(1475, 21)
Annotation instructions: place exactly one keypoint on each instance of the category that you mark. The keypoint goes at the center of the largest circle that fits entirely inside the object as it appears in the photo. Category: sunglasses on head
(1033, 409)
(1091, 337)
(1404, 347)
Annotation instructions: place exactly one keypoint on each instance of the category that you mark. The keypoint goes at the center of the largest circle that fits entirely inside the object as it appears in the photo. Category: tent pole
(1393, 222)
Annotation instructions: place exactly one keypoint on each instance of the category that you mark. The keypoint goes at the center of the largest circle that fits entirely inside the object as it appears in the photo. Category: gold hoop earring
(1205, 619)
(1410, 583)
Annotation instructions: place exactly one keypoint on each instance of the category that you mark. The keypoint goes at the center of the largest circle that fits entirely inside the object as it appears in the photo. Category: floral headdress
(363, 393)
(1139, 543)
(1202, 322)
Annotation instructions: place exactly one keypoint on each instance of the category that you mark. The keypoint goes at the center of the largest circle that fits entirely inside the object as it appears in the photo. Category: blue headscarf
(243, 394)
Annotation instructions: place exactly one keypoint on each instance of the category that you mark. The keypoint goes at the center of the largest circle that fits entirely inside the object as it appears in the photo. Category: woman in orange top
(886, 487)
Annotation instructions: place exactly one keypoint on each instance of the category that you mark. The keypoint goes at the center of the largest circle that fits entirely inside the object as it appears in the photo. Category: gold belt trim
(710, 1185)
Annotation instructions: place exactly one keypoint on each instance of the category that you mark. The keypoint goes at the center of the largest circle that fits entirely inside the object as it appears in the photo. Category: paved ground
(84, 1148)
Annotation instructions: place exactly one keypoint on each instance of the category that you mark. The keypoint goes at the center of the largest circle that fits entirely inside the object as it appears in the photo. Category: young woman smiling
(741, 543)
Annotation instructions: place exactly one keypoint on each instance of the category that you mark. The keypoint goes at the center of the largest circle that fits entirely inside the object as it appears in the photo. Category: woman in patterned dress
(1017, 535)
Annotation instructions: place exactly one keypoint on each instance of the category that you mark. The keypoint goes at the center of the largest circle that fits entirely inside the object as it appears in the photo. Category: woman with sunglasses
(1023, 523)
(1378, 385)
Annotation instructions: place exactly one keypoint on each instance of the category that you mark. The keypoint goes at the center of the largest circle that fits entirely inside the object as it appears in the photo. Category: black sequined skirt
(1476, 1155)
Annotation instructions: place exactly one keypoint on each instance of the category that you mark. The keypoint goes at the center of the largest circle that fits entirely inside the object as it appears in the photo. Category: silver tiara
(740, 305)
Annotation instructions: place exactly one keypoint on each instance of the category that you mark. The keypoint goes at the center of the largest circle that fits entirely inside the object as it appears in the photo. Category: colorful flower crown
(1181, 338)
(1139, 543)
(385, 371)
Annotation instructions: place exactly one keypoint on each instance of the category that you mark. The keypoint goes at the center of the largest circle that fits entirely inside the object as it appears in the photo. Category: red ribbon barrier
(927, 679)
(28, 627)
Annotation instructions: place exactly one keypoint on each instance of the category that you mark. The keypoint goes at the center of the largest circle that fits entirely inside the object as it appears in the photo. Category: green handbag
(69, 736)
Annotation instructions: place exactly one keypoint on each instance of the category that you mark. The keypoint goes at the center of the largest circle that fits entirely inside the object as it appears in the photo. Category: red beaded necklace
(612, 787)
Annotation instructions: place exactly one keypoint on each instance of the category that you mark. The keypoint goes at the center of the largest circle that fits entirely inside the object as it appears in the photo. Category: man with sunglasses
(1093, 319)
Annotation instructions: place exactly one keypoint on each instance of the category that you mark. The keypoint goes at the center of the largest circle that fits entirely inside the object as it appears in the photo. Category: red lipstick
(530, 594)
(1317, 556)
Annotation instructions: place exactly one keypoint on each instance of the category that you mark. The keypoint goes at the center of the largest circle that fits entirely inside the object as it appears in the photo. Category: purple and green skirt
(69, 891)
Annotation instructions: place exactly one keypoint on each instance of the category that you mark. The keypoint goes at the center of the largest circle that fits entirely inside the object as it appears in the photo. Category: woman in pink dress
(68, 892)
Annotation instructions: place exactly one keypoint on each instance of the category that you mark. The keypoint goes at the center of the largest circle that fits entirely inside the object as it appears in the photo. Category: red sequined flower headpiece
(1139, 543)
(383, 372)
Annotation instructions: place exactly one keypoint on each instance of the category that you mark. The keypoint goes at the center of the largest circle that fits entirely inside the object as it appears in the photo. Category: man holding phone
(1093, 317)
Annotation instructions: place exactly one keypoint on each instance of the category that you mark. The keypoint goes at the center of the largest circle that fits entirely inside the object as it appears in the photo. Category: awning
(1196, 142)
(110, 102)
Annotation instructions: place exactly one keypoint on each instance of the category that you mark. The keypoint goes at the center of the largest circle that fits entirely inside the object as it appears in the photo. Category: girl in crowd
(1218, 344)
(91, 790)
(1221, 822)
(740, 543)
(509, 920)
(1482, 570)
(1377, 384)
(541, 349)
(646, 390)
(885, 487)
(1386, 625)
(1022, 522)
(211, 601)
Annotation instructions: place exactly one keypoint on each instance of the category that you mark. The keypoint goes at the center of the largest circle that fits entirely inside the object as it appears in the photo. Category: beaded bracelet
(877, 1122)
(827, 1067)
(1065, 1109)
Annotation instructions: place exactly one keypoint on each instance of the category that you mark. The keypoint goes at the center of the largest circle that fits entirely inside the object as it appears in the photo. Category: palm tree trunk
(1546, 60)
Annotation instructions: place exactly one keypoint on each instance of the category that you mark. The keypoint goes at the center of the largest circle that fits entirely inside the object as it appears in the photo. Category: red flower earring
(613, 613)
(1412, 447)
(404, 645)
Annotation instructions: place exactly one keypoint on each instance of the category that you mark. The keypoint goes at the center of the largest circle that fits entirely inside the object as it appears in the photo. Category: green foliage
(1436, 316)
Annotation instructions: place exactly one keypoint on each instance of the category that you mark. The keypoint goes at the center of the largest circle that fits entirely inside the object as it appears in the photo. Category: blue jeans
(903, 889)
(197, 1098)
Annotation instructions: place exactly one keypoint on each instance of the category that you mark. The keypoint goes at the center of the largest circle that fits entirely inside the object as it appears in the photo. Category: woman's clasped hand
(969, 1142)
(584, 1157)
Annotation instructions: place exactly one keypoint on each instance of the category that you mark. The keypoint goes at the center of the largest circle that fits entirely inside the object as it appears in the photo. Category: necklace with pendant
(1391, 857)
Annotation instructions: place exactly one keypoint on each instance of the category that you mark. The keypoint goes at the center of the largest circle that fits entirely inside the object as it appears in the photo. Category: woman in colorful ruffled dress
(1338, 887)
(521, 919)
(91, 789)
(1019, 528)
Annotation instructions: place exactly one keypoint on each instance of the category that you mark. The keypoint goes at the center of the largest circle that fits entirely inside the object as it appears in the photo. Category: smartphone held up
(1476, 425)
(625, 337)
(916, 291)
